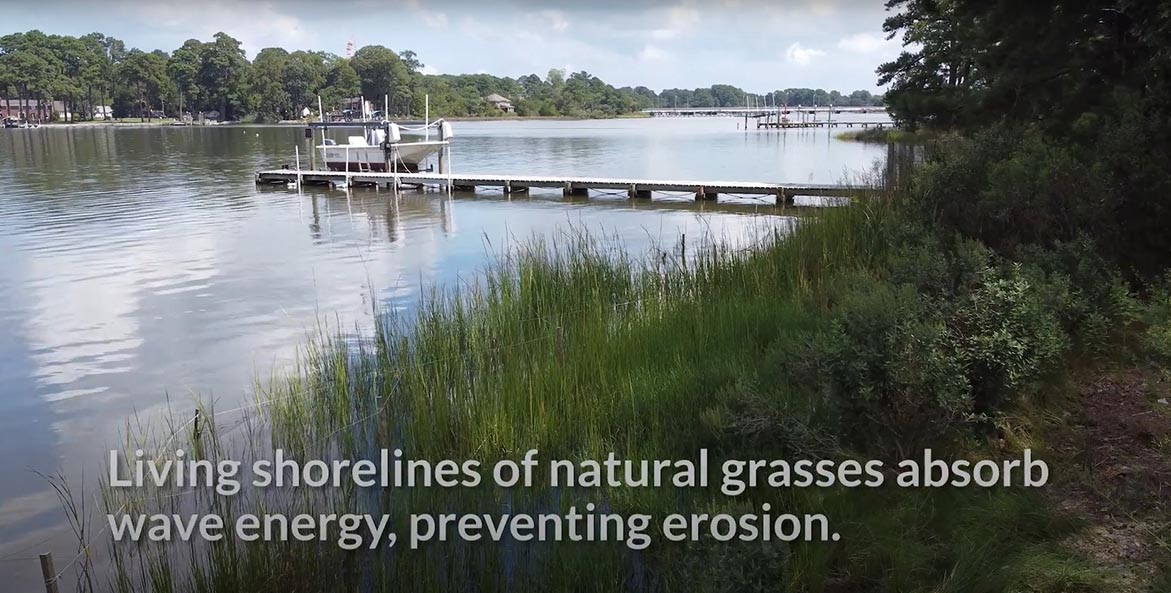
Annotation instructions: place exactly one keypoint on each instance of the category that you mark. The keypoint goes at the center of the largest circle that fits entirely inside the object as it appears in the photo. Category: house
(34, 110)
(499, 102)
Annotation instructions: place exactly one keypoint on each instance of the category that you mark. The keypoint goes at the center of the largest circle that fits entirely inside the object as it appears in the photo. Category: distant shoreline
(288, 123)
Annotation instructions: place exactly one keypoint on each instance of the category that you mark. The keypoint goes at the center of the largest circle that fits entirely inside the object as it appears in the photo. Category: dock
(785, 125)
(570, 186)
(753, 111)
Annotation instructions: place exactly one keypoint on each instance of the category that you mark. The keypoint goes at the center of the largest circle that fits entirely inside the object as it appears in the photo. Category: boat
(382, 146)
(12, 122)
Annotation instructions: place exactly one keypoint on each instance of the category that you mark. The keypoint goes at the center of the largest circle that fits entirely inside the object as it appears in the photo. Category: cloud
(429, 70)
(679, 20)
(865, 43)
(801, 56)
(555, 19)
(435, 20)
(267, 26)
(652, 53)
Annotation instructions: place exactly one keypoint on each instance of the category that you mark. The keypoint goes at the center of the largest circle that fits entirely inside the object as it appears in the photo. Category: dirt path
(1115, 457)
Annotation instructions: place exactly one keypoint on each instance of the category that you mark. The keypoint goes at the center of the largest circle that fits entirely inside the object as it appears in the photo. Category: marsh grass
(577, 349)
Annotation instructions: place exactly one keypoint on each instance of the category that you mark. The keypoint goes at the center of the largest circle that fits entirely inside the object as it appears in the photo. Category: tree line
(1062, 119)
(203, 76)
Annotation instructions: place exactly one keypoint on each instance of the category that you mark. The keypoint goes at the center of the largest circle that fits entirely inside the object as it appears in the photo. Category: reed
(576, 348)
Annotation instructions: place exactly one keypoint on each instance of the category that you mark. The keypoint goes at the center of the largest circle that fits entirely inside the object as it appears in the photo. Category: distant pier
(754, 111)
(784, 125)
(570, 186)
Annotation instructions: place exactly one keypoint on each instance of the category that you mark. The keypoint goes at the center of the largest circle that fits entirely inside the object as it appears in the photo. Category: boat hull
(372, 158)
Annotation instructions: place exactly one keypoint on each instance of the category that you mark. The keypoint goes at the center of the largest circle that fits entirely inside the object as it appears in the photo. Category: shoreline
(298, 123)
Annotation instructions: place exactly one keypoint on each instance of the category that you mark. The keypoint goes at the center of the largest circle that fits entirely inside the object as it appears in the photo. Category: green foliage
(1157, 317)
(1012, 187)
(889, 371)
(1066, 115)
(1006, 339)
(947, 336)
(383, 76)
(145, 84)
(215, 76)
(1086, 293)
(223, 74)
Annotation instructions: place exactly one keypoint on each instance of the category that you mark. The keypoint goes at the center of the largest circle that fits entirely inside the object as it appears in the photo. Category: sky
(758, 45)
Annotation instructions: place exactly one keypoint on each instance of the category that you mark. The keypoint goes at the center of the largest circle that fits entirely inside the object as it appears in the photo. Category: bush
(1006, 338)
(888, 371)
(906, 364)
(938, 272)
(1085, 292)
(1157, 337)
(1009, 187)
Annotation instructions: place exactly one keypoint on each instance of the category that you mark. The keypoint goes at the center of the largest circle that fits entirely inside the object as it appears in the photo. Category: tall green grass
(576, 348)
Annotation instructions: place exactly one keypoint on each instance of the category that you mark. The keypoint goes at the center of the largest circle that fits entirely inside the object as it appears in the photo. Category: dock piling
(48, 573)
(703, 194)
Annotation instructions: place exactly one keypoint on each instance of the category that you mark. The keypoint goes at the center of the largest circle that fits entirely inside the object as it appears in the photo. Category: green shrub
(888, 371)
(902, 368)
(1085, 292)
(938, 271)
(1006, 338)
(1010, 187)
(1157, 315)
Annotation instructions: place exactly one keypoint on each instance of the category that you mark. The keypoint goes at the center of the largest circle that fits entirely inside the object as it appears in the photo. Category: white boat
(12, 122)
(383, 146)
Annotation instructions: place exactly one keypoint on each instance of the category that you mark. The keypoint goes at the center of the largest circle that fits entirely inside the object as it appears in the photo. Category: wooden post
(297, 153)
(634, 193)
(48, 572)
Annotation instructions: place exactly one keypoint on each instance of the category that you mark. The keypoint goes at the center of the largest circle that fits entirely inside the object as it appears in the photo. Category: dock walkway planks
(580, 186)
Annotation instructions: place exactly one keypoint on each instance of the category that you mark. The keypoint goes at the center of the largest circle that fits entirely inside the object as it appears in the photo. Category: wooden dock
(570, 186)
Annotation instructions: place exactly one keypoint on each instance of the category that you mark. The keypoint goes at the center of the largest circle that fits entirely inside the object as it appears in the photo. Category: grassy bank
(860, 335)
(886, 136)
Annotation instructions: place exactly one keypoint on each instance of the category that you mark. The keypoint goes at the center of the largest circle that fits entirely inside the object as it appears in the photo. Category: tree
(184, 67)
(222, 73)
(145, 77)
(383, 74)
(410, 60)
(341, 81)
(115, 51)
(267, 97)
(304, 76)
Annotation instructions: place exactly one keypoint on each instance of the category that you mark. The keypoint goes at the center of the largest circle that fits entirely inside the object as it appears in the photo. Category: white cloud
(652, 53)
(473, 28)
(679, 20)
(435, 20)
(555, 19)
(865, 43)
(801, 56)
(268, 25)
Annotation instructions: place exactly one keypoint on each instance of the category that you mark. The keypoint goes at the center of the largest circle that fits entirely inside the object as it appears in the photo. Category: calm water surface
(140, 267)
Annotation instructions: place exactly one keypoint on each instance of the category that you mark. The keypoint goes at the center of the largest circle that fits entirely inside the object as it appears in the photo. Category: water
(139, 267)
